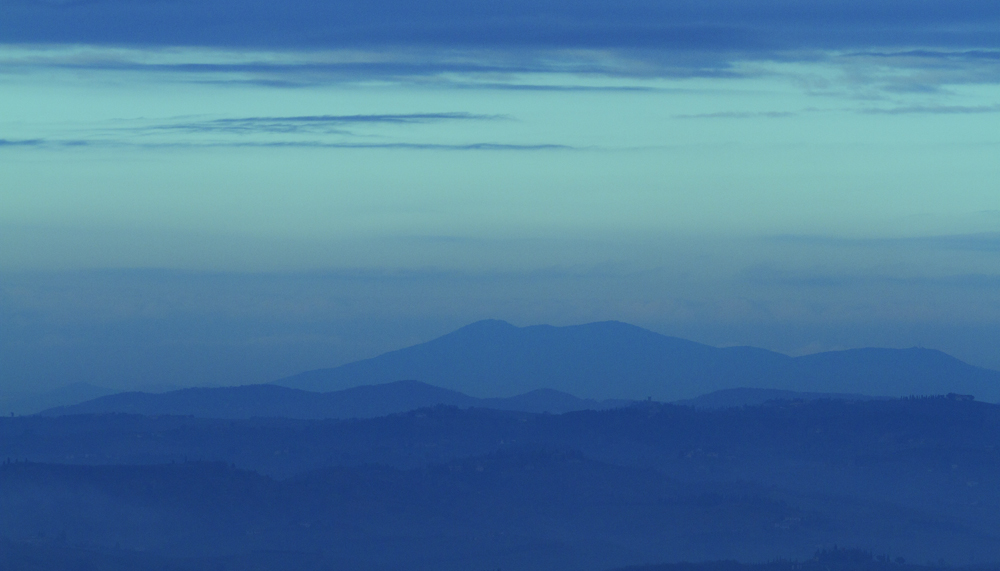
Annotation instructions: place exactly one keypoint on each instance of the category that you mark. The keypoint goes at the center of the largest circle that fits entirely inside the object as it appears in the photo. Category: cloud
(480, 146)
(412, 146)
(289, 68)
(933, 55)
(294, 131)
(326, 124)
(726, 25)
(42, 143)
(936, 42)
(21, 142)
(920, 71)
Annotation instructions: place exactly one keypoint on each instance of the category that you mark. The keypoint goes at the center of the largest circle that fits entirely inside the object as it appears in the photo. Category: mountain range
(613, 360)
(555, 370)
(469, 452)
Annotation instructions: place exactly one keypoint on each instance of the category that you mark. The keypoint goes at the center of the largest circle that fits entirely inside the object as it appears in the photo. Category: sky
(216, 192)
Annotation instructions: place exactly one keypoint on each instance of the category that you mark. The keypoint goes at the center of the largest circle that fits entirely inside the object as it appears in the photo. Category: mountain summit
(614, 360)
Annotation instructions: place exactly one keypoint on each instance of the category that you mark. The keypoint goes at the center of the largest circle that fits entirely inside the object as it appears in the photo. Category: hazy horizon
(206, 193)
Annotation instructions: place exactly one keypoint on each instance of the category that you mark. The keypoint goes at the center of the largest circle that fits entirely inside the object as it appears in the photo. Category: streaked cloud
(889, 46)
(481, 146)
(42, 143)
(708, 25)
(293, 131)
(316, 123)
(471, 66)
(21, 142)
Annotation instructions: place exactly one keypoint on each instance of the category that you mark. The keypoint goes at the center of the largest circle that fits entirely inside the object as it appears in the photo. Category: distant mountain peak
(615, 360)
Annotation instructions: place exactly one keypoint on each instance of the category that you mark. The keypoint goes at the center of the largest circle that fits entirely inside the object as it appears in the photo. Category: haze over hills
(370, 401)
(30, 403)
(366, 401)
(614, 360)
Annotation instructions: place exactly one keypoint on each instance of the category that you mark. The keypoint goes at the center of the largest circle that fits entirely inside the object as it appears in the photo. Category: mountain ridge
(615, 360)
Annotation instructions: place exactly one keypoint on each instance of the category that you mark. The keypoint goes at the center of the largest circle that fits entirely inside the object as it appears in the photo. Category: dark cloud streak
(21, 142)
(316, 123)
(306, 74)
(55, 143)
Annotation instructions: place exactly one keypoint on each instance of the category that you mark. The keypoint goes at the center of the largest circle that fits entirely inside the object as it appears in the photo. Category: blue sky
(224, 191)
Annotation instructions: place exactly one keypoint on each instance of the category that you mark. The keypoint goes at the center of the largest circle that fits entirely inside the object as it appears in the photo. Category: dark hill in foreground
(612, 360)
(49, 555)
(369, 401)
(531, 510)
(832, 559)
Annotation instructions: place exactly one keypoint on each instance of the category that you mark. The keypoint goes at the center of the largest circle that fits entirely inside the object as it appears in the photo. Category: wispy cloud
(328, 124)
(21, 142)
(302, 131)
(713, 25)
(42, 143)
(120, 143)
(925, 71)
(414, 146)
(469, 68)
(932, 55)
(938, 42)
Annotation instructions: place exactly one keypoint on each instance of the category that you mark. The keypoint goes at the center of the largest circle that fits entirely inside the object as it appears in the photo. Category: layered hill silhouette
(371, 401)
(614, 360)
(368, 401)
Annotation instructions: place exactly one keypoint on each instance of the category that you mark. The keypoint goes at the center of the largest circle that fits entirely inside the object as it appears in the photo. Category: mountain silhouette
(614, 360)
(274, 401)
